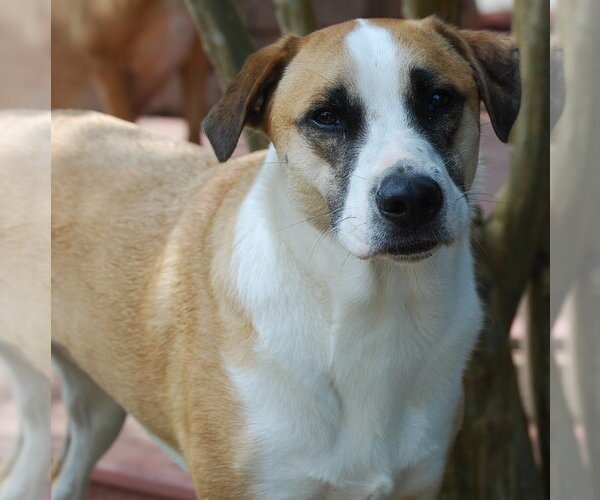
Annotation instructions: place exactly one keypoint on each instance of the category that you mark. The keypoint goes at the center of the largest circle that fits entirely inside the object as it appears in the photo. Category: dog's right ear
(246, 100)
(494, 60)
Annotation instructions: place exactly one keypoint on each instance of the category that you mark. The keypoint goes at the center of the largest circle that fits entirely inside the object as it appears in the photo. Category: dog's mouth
(402, 246)
(414, 248)
(412, 251)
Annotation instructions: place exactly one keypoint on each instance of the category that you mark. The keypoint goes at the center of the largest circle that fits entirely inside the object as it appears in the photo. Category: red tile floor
(135, 468)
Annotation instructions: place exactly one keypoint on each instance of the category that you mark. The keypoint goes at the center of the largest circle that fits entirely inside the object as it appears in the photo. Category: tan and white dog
(292, 324)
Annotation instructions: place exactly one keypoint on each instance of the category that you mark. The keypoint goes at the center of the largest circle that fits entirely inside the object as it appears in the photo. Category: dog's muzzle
(409, 208)
(409, 202)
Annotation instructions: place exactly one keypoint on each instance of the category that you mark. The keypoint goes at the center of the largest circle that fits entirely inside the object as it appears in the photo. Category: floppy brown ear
(246, 99)
(498, 76)
(494, 59)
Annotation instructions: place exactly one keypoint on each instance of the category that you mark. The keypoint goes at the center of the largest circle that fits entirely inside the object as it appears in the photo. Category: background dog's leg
(113, 87)
(95, 421)
(193, 75)
(28, 475)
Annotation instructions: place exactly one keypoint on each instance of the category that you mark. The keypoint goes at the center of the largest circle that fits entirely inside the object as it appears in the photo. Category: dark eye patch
(436, 110)
(334, 127)
(339, 102)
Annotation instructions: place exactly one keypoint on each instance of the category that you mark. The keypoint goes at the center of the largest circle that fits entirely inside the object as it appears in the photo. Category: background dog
(117, 55)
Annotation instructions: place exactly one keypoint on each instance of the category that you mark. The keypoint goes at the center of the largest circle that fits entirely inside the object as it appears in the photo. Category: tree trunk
(568, 477)
(295, 17)
(575, 248)
(575, 182)
(538, 349)
(448, 10)
(586, 332)
(493, 456)
(575, 209)
(227, 43)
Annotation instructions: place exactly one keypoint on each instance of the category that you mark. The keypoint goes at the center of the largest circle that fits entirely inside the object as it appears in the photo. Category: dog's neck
(273, 233)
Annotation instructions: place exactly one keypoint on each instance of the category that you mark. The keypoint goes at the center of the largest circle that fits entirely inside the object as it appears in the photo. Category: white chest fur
(358, 363)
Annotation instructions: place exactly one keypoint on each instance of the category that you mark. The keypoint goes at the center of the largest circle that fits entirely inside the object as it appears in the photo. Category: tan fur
(139, 230)
(317, 66)
(472, 61)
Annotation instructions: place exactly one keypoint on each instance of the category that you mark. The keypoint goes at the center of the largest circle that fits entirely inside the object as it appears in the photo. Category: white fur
(358, 362)
(381, 68)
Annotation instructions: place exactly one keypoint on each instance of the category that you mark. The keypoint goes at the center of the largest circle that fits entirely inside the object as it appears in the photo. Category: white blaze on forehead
(380, 67)
(380, 74)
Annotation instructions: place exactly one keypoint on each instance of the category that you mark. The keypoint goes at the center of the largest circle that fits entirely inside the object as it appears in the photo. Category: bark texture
(448, 10)
(575, 265)
(295, 17)
(493, 455)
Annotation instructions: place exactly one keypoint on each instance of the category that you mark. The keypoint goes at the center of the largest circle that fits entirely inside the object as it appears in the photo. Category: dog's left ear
(494, 59)
(246, 99)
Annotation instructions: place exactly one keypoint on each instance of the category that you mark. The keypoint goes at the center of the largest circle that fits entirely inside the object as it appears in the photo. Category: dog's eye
(325, 118)
(440, 99)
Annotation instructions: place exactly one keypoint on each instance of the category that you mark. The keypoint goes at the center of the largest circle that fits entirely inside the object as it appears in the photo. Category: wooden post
(538, 350)
(586, 332)
(574, 238)
(492, 456)
(227, 43)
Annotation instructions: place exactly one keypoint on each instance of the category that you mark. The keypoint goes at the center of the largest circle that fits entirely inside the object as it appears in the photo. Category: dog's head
(376, 124)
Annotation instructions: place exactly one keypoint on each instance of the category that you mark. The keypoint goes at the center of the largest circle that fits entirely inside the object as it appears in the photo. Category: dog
(25, 297)
(128, 49)
(293, 323)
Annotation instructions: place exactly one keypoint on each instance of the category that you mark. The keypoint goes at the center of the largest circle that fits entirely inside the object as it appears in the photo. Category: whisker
(417, 281)
(310, 218)
(320, 75)
(487, 200)
(482, 193)
(322, 236)
(342, 266)
(319, 239)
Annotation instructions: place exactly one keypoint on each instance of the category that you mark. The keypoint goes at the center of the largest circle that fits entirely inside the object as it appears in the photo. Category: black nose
(409, 200)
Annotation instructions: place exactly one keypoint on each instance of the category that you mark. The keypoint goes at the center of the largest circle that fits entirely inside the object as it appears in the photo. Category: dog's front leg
(111, 83)
(95, 421)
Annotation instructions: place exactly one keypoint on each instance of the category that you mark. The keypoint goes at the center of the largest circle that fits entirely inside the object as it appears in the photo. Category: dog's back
(117, 195)
(138, 220)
